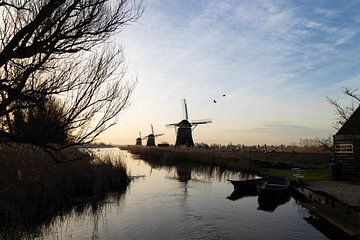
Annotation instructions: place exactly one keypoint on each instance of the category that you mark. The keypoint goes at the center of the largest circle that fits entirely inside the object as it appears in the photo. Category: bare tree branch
(344, 112)
(58, 49)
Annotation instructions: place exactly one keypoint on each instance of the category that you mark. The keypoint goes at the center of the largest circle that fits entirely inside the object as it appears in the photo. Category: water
(185, 201)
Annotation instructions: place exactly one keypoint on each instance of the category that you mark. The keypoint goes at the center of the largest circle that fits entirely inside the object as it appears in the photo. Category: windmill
(185, 127)
(138, 140)
(151, 137)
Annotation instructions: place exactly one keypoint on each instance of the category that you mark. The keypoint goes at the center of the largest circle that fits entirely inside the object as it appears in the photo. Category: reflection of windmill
(151, 137)
(138, 140)
(185, 128)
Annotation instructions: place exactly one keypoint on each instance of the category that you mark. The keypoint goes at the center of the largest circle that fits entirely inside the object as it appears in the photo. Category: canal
(182, 201)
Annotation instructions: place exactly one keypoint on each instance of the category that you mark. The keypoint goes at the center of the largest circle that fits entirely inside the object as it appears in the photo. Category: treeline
(303, 145)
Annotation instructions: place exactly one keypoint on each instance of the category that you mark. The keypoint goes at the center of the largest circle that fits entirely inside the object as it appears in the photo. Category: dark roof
(352, 125)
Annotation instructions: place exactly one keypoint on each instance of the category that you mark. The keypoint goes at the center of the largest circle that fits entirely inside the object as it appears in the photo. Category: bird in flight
(214, 101)
(224, 95)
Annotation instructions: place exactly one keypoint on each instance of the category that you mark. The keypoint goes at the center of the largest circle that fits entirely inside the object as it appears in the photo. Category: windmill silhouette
(185, 127)
(138, 140)
(151, 137)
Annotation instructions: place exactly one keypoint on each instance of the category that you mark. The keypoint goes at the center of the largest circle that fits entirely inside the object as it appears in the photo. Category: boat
(247, 185)
(274, 186)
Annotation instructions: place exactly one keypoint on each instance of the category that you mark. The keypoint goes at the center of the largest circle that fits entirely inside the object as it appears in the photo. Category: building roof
(352, 125)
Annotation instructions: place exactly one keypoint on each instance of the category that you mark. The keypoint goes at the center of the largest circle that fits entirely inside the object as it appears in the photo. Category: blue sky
(276, 61)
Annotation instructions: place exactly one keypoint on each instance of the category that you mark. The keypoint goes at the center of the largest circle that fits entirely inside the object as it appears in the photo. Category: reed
(228, 160)
(34, 188)
(235, 160)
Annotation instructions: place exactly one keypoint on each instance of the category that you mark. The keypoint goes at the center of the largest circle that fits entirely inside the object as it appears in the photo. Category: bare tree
(344, 112)
(60, 49)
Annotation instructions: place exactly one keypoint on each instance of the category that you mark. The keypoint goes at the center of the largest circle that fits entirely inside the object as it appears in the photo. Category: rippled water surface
(183, 202)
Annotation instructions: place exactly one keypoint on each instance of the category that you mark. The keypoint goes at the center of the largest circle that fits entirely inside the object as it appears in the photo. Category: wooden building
(347, 147)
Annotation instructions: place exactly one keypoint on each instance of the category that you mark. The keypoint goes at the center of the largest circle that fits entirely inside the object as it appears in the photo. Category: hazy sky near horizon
(276, 61)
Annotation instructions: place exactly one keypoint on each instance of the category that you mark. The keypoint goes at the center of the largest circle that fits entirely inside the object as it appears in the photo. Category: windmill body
(151, 138)
(184, 134)
(139, 140)
(185, 127)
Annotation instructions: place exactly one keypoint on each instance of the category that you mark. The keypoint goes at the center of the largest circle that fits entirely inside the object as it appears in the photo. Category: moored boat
(274, 186)
(247, 185)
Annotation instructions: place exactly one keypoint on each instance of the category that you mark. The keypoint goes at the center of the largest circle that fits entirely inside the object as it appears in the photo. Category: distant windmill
(138, 140)
(151, 137)
(185, 128)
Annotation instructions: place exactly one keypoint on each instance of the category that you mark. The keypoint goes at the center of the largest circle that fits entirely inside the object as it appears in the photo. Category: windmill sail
(185, 110)
(203, 121)
(172, 125)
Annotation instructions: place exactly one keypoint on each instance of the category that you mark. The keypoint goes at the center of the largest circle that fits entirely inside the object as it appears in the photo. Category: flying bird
(214, 101)
(224, 95)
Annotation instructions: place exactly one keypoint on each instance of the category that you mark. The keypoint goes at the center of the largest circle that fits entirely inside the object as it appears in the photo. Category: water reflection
(329, 231)
(236, 194)
(186, 171)
(52, 225)
(179, 201)
(270, 203)
(266, 203)
(38, 216)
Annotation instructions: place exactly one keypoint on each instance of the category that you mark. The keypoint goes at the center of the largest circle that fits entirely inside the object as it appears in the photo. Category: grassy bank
(249, 161)
(309, 174)
(215, 158)
(34, 188)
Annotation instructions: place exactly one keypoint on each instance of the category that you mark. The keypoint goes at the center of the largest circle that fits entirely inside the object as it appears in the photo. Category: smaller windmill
(185, 127)
(151, 138)
(139, 140)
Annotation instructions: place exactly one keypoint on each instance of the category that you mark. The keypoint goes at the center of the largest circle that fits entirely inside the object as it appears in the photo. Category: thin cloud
(286, 129)
(280, 57)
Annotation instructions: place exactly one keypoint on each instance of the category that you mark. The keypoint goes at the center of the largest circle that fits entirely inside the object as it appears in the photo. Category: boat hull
(274, 187)
(247, 185)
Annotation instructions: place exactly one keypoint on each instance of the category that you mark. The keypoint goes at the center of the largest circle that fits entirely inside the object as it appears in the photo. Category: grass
(309, 174)
(34, 188)
(227, 160)
(248, 161)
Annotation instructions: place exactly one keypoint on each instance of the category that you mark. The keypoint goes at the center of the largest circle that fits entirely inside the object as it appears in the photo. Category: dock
(331, 209)
(337, 218)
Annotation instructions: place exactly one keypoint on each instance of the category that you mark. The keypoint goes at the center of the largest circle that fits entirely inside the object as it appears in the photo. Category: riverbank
(34, 188)
(248, 161)
(335, 202)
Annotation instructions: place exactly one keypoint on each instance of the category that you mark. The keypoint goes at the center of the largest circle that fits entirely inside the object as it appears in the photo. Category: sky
(276, 62)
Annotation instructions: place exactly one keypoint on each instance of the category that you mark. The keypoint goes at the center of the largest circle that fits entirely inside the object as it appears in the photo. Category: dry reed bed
(249, 161)
(34, 188)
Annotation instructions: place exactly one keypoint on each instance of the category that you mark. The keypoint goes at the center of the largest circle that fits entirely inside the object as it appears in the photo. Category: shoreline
(246, 161)
(323, 203)
(35, 189)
